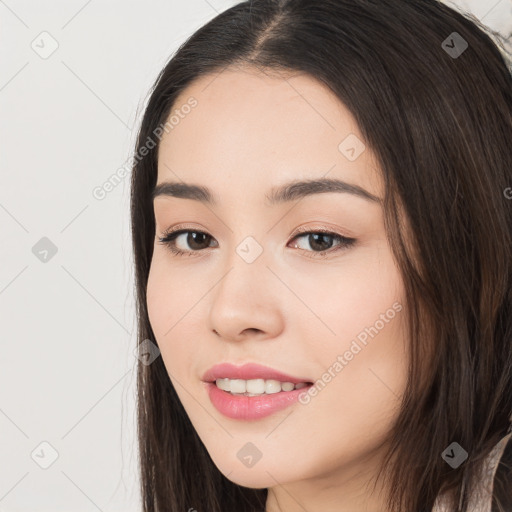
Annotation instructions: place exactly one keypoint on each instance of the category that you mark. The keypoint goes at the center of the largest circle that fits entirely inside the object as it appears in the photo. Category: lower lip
(251, 407)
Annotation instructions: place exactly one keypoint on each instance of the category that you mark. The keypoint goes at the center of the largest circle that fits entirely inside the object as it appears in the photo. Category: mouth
(254, 399)
(257, 387)
(252, 379)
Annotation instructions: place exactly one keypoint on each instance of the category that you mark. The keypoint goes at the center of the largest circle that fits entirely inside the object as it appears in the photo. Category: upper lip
(248, 371)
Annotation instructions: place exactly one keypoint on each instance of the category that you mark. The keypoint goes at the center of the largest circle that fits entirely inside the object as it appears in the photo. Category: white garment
(481, 497)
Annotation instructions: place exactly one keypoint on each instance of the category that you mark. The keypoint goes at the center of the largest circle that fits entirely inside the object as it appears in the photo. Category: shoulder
(493, 492)
(502, 487)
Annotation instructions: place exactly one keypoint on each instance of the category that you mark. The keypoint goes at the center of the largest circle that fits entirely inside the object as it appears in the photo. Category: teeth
(238, 386)
(272, 386)
(256, 387)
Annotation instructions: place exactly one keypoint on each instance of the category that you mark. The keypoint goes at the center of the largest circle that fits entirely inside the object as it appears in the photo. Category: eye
(320, 238)
(198, 240)
(170, 237)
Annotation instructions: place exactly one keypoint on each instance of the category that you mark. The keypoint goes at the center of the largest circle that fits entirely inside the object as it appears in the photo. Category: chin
(248, 478)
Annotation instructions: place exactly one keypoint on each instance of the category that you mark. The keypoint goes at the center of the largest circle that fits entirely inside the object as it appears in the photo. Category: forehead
(250, 127)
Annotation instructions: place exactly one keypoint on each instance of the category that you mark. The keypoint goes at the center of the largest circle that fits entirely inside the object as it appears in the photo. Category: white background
(68, 122)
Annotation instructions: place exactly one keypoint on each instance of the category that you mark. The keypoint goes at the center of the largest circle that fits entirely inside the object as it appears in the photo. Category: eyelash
(168, 239)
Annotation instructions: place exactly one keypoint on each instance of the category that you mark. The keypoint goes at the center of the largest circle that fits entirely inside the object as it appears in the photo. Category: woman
(322, 228)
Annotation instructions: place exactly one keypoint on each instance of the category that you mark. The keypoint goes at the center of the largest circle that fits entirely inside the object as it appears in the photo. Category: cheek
(351, 297)
(158, 300)
(363, 353)
(172, 297)
(170, 293)
(165, 308)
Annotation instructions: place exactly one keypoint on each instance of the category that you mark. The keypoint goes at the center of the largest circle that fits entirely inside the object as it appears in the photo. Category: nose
(246, 302)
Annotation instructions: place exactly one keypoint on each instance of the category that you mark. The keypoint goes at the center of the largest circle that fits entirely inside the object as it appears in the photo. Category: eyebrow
(281, 194)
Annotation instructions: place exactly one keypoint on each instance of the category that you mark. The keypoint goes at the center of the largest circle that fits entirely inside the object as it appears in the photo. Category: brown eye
(321, 242)
(195, 240)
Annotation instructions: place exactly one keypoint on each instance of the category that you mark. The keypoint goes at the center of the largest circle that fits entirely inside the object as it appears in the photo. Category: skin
(288, 309)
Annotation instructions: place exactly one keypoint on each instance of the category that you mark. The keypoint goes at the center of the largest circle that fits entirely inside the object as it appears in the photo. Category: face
(260, 282)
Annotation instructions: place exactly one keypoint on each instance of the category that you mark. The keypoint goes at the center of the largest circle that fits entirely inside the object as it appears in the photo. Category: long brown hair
(432, 95)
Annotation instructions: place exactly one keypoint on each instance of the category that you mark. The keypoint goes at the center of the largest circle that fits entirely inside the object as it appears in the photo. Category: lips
(246, 408)
(249, 371)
